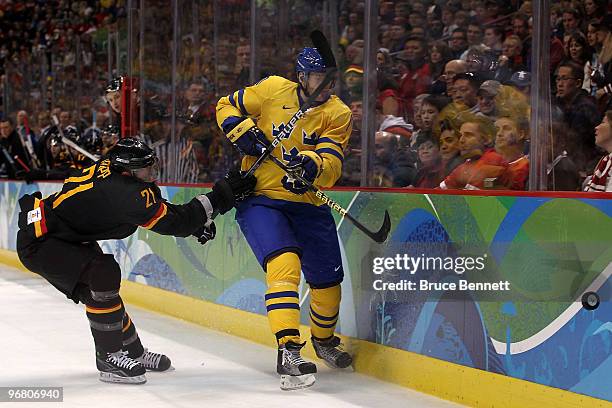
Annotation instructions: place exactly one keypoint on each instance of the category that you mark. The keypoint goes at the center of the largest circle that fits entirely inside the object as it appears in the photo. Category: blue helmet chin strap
(303, 88)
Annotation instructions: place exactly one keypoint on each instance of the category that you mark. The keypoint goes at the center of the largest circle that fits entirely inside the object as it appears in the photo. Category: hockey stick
(379, 236)
(71, 144)
(35, 161)
(322, 45)
(9, 160)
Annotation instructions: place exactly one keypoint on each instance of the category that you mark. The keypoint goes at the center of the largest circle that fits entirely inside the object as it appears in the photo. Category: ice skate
(154, 361)
(295, 372)
(119, 368)
(330, 351)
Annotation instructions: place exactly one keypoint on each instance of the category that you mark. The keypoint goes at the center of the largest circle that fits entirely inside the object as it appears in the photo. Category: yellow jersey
(325, 129)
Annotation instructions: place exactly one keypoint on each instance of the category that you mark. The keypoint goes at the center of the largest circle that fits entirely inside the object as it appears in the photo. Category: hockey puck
(590, 300)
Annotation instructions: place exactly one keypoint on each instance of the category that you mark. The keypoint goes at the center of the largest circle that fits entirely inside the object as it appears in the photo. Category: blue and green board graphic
(550, 249)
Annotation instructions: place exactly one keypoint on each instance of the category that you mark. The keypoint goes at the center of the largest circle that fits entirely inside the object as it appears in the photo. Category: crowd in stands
(454, 82)
(453, 105)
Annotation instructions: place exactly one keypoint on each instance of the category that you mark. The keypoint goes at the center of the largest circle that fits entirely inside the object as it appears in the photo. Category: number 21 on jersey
(149, 195)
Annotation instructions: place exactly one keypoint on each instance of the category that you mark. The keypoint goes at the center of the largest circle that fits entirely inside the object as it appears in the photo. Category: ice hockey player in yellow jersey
(286, 226)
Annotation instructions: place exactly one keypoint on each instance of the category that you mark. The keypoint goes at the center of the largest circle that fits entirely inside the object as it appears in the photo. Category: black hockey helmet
(72, 133)
(114, 85)
(91, 140)
(131, 153)
(110, 129)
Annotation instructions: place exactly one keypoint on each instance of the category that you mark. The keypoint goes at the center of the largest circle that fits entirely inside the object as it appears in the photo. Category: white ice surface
(45, 341)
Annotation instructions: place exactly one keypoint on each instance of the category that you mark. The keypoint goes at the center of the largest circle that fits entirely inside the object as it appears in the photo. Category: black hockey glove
(226, 192)
(205, 234)
(247, 137)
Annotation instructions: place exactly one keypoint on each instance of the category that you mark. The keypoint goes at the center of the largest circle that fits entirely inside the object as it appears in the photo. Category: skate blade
(171, 368)
(296, 382)
(117, 379)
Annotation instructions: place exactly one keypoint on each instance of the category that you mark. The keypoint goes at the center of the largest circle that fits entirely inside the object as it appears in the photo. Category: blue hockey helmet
(310, 60)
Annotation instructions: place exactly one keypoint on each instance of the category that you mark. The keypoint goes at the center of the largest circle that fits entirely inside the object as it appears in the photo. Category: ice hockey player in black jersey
(109, 200)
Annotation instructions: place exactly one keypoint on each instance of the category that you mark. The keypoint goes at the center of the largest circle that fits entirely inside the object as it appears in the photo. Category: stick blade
(381, 235)
(319, 41)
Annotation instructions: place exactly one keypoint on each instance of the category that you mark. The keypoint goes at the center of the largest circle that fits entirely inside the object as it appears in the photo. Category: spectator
(521, 80)
(44, 121)
(482, 165)
(487, 93)
(465, 92)
(462, 19)
(354, 53)
(431, 108)
(458, 42)
(416, 19)
(353, 78)
(520, 28)
(595, 9)
(418, 103)
(198, 102)
(511, 59)
(580, 114)
(601, 179)
(481, 60)
(510, 144)
(398, 34)
(243, 62)
(448, 20)
(417, 78)
(65, 119)
(351, 174)
(578, 49)
(434, 13)
(601, 67)
(493, 38)
(493, 10)
(451, 70)
(394, 133)
(429, 166)
(199, 121)
(571, 21)
(397, 126)
(28, 138)
(557, 53)
(13, 157)
(388, 95)
(474, 34)
(450, 151)
(439, 56)
(595, 47)
(386, 145)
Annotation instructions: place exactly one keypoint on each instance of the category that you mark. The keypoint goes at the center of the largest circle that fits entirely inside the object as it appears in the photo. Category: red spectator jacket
(472, 173)
(516, 175)
(414, 82)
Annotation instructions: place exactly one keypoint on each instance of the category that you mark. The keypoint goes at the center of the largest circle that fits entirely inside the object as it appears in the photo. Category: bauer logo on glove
(247, 137)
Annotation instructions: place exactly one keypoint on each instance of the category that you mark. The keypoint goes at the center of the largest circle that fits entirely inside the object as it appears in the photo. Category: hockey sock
(105, 313)
(282, 298)
(324, 308)
(131, 341)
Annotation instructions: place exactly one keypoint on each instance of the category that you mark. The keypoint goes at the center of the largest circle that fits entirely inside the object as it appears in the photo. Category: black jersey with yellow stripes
(325, 130)
(96, 203)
